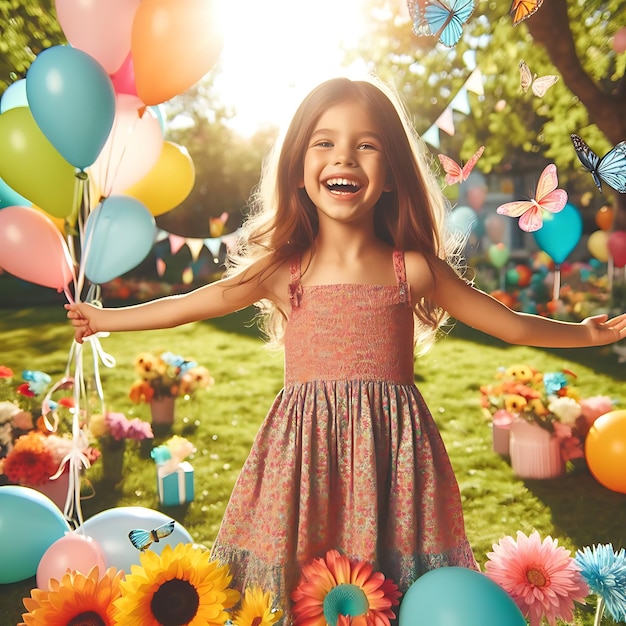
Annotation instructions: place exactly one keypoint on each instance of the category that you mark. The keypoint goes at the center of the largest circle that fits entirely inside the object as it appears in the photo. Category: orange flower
(30, 462)
(334, 588)
(75, 599)
(141, 391)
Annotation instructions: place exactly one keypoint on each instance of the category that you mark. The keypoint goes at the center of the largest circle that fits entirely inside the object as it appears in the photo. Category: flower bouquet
(164, 378)
(523, 397)
(112, 431)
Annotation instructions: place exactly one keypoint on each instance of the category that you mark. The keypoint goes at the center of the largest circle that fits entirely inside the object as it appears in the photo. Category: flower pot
(162, 410)
(535, 453)
(501, 432)
(55, 489)
(113, 461)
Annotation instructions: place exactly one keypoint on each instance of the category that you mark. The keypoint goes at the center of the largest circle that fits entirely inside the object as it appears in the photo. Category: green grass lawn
(222, 422)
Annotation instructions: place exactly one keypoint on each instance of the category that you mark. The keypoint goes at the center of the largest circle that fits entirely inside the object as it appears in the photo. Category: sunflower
(514, 403)
(75, 600)
(337, 591)
(542, 577)
(256, 609)
(180, 586)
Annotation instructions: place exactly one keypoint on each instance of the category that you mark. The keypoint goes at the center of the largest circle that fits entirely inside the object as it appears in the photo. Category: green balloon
(31, 165)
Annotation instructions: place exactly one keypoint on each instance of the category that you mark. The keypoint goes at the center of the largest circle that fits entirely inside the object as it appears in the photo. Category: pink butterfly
(454, 172)
(548, 198)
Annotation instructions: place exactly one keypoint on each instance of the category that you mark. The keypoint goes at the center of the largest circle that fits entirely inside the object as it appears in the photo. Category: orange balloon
(168, 183)
(174, 43)
(605, 450)
(604, 217)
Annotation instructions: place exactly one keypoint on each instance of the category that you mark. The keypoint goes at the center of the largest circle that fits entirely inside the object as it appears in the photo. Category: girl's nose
(345, 157)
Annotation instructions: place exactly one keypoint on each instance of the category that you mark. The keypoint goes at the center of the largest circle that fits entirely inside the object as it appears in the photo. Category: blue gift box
(175, 488)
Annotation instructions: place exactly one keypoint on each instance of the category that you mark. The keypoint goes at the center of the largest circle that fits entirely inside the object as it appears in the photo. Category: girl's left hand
(603, 330)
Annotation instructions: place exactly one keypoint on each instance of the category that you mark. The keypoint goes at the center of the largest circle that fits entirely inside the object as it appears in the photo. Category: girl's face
(345, 169)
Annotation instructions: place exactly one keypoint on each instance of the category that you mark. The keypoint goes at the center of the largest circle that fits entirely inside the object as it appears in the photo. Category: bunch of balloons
(36, 539)
(81, 138)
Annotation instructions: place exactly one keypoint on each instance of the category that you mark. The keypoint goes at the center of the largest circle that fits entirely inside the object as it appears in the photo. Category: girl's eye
(367, 146)
(323, 144)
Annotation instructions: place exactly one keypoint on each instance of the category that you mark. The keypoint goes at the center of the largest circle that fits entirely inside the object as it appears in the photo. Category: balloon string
(556, 291)
(109, 180)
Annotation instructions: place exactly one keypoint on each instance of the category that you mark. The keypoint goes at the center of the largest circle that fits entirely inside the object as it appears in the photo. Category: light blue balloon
(119, 234)
(456, 596)
(29, 524)
(461, 220)
(10, 197)
(160, 115)
(14, 96)
(560, 233)
(73, 102)
(110, 530)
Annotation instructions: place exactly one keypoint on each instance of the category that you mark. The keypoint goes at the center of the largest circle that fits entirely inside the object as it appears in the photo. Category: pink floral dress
(349, 456)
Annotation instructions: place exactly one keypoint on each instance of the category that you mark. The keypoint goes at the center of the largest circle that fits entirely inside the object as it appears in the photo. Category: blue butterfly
(142, 539)
(440, 18)
(611, 168)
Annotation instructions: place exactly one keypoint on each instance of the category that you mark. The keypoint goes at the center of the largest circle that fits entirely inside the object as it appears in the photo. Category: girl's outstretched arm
(213, 300)
(479, 310)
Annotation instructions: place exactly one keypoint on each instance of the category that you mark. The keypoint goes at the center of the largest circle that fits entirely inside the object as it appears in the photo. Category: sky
(275, 51)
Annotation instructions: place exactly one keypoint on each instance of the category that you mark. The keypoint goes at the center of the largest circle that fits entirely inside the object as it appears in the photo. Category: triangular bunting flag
(460, 102)
(474, 83)
(431, 136)
(176, 243)
(160, 267)
(445, 121)
(195, 245)
(213, 244)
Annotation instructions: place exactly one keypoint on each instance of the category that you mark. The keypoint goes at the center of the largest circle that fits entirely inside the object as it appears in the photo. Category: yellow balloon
(598, 245)
(168, 183)
(59, 222)
(605, 450)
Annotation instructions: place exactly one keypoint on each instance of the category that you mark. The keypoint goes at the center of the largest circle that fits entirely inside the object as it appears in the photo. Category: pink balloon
(74, 552)
(33, 249)
(495, 227)
(132, 149)
(616, 245)
(124, 79)
(101, 29)
(619, 41)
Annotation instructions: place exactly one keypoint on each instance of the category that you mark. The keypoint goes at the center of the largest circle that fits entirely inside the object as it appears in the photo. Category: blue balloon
(119, 234)
(14, 96)
(457, 596)
(110, 530)
(560, 233)
(10, 197)
(72, 100)
(29, 524)
(462, 220)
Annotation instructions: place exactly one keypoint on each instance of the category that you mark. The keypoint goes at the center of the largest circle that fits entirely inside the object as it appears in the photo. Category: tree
(571, 38)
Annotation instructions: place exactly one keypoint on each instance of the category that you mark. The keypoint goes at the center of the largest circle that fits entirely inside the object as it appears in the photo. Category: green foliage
(222, 423)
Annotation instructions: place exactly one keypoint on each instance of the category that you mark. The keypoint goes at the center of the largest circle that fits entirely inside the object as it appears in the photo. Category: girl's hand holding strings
(79, 315)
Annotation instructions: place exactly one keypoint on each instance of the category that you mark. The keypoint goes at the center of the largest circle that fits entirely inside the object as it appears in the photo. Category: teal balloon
(73, 102)
(560, 233)
(14, 96)
(10, 197)
(110, 530)
(456, 596)
(119, 234)
(462, 220)
(29, 524)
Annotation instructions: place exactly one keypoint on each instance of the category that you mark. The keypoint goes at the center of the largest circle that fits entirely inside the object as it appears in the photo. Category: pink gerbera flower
(337, 591)
(542, 577)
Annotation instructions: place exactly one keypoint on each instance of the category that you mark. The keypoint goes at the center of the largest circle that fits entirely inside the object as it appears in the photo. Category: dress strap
(295, 286)
(400, 269)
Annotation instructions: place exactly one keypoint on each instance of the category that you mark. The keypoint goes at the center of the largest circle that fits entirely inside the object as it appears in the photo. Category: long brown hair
(283, 220)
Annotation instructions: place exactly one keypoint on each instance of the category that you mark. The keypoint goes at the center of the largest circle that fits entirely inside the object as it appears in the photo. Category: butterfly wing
(165, 530)
(589, 159)
(547, 196)
(515, 209)
(445, 19)
(542, 84)
(525, 77)
(528, 212)
(141, 539)
(469, 166)
(454, 173)
(523, 9)
(612, 167)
